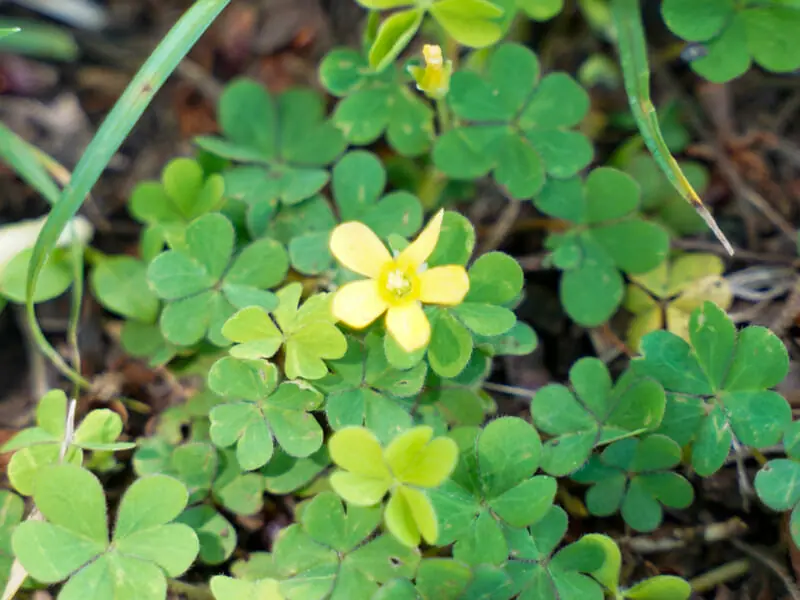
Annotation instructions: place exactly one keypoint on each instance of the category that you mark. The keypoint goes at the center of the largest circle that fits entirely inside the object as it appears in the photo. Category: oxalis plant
(310, 263)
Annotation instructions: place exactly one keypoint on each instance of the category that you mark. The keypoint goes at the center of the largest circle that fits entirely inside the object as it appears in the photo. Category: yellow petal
(400, 521)
(358, 248)
(358, 303)
(422, 512)
(358, 450)
(409, 326)
(444, 285)
(421, 248)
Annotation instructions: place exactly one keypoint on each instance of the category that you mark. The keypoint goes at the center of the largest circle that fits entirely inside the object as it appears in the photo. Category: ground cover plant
(318, 269)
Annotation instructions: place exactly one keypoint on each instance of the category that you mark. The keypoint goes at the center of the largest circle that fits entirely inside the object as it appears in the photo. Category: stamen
(397, 283)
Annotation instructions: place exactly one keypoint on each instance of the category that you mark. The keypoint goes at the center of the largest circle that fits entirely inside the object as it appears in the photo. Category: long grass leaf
(636, 74)
(117, 125)
(28, 161)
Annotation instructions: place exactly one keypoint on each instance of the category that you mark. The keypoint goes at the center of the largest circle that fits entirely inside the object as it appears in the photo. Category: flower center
(399, 283)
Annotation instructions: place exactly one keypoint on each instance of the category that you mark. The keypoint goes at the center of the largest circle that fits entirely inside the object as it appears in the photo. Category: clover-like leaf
(494, 484)
(661, 200)
(514, 125)
(374, 104)
(606, 238)
(365, 389)
(37, 447)
(460, 401)
(55, 278)
(238, 491)
(635, 476)
(410, 464)
(203, 284)
(183, 194)
(227, 588)
(593, 412)
(538, 571)
(285, 142)
(720, 385)
(279, 412)
(474, 23)
(327, 555)
(358, 183)
(667, 295)
(74, 543)
(120, 285)
(306, 332)
(736, 34)
(11, 509)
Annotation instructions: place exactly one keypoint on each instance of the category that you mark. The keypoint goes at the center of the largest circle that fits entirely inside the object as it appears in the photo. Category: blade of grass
(632, 46)
(27, 161)
(8, 31)
(119, 122)
(39, 40)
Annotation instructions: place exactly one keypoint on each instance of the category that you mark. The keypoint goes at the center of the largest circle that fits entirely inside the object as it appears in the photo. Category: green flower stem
(443, 115)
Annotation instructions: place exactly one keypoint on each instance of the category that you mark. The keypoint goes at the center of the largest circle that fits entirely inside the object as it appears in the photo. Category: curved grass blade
(6, 31)
(29, 162)
(38, 40)
(636, 73)
(119, 122)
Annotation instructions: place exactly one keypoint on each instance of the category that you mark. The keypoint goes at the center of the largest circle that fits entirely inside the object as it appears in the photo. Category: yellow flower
(397, 286)
(434, 78)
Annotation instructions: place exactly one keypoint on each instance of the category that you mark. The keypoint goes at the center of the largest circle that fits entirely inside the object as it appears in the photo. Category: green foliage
(74, 543)
(203, 282)
(659, 198)
(307, 333)
(55, 279)
(268, 411)
(635, 477)
(595, 251)
(515, 124)
(37, 447)
(374, 104)
(538, 571)
(412, 462)
(660, 587)
(735, 34)
(11, 508)
(718, 386)
(330, 553)
(282, 143)
(474, 23)
(495, 282)
(593, 412)
(183, 194)
(493, 489)
(396, 475)
(364, 389)
(120, 284)
(358, 183)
